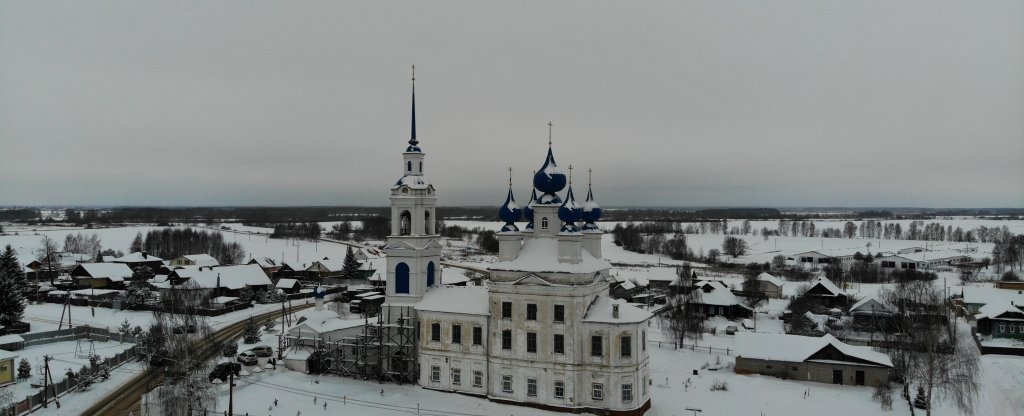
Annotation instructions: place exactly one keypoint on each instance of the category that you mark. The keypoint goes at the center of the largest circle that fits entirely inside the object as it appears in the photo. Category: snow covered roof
(541, 255)
(869, 304)
(765, 277)
(264, 262)
(995, 309)
(453, 278)
(11, 339)
(116, 272)
(719, 296)
(412, 181)
(796, 348)
(223, 299)
(331, 265)
(827, 285)
(231, 277)
(323, 321)
(469, 300)
(601, 311)
(136, 257)
(987, 294)
(627, 285)
(201, 259)
(286, 283)
(7, 355)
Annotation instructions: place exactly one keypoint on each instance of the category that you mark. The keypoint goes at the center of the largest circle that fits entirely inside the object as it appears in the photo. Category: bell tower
(413, 251)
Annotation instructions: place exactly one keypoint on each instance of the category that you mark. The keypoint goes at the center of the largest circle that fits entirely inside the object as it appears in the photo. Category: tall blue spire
(591, 211)
(510, 211)
(413, 143)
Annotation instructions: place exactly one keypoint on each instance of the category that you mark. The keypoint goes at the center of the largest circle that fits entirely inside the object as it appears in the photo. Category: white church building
(543, 332)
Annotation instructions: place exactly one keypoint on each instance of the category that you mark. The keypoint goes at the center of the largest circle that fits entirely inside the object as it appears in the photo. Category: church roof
(412, 181)
(601, 311)
(468, 300)
(540, 255)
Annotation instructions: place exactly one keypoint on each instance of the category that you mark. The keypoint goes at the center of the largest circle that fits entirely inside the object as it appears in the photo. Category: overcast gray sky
(782, 103)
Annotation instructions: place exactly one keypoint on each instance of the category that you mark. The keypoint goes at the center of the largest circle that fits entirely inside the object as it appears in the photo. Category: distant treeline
(284, 215)
(170, 243)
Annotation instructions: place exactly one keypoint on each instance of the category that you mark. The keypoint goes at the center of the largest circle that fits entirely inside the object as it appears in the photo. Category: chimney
(615, 310)
(144, 255)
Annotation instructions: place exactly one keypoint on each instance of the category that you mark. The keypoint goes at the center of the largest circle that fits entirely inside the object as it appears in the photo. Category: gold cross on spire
(510, 176)
(550, 125)
(570, 175)
(414, 72)
(590, 176)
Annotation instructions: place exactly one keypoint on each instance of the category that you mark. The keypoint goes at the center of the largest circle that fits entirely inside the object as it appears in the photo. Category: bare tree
(734, 246)
(684, 321)
(183, 330)
(48, 252)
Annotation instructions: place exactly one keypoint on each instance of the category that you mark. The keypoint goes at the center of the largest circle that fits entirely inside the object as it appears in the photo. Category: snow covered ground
(67, 355)
(46, 317)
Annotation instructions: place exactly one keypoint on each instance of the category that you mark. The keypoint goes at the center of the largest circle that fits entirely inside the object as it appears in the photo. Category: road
(127, 399)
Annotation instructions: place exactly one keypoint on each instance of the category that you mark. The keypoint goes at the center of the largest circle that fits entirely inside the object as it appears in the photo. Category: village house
(288, 285)
(1001, 319)
(139, 259)
(194, 260)
(7, 365)
(766, 284)
(269, 265)
(218, 281)
(820, 359)
(870, 314)
(715, 299)
(827, 292)
(101, 275)
(315, 329)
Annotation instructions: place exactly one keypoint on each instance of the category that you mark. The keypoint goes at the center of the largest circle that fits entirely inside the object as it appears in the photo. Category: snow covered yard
(46, 316)
(66, 356)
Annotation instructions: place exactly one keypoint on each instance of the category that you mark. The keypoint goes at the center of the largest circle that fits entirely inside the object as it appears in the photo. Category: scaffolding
(385, 351)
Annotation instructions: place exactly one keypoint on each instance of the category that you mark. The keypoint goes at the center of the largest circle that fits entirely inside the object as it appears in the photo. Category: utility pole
(231, 391)
(280, 339)
(46, 377)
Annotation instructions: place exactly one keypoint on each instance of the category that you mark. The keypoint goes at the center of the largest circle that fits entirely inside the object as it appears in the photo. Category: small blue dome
(510, 212)
(528, 211)
(413, 149)
(319, 292)
(570, 212)
(549, 179)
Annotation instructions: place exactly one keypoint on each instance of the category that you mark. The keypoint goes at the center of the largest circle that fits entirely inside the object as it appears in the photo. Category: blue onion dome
(591, 211)
(528, 211)
(510, 212)
(570, 212)
(549, 180)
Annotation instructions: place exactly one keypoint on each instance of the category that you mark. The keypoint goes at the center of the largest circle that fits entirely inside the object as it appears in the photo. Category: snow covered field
(66, 356)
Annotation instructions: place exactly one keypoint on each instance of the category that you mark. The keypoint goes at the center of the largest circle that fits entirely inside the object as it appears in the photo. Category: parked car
(247, 358)
(181, 329)
(262, 351)
(731, 330)
(222, 369)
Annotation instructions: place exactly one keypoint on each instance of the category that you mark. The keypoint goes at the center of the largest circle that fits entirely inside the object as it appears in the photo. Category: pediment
(399, 245)
(532, 279)
(433, 244)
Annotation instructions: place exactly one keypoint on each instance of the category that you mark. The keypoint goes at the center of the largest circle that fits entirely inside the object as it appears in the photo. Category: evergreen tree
(12, 281)
(350, 269)
(24, 369)
(252, 332)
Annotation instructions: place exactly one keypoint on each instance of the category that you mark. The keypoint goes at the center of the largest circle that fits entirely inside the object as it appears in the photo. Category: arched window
(430, 274)
(402, 278)
(405, 223)
(426, 222)
(408, 166)
(544, 223)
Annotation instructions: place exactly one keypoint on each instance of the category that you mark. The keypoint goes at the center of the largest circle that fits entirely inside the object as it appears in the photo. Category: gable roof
(331, 265)
(765, 277)
(201, 259)
(264, 262)
(997, 309)
(796, 348)
(324, 321)
(826, 284)
(231, 277)
(116, 272)
(468, 300)
(870, 305)
(286, 283)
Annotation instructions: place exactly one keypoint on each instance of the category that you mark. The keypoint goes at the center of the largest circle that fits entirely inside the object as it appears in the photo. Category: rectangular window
(506, 384)
(627, 393)
(531, 342)
(506, 310)
(478, 378)
(456, 376)
(559, 389)
(478, 335)
(1012, 329)
(626, 347)
(531, 387)
(456, 334)
(559, 344)
(559, 313)
(643, 341)
(531, 311)
(506, 339)
(595, 345)
(435, 373)
(435, 332)
(1002, 328)
(597, 391)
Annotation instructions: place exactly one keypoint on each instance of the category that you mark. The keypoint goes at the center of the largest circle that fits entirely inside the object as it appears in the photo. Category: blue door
(402, 278)
(430, 274)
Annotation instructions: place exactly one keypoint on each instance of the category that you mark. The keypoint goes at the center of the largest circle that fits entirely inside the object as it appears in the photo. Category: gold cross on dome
(550, 125)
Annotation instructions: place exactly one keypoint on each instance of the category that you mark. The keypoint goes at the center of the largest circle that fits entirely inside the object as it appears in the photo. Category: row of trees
(1009, 253)
(169, 243)
(309, 230)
